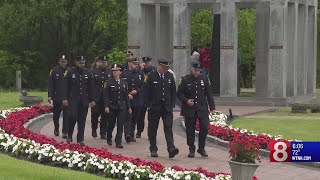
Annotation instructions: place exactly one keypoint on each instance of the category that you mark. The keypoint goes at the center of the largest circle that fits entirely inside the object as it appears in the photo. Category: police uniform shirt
(80, 86)
(100, 76)
(56, 83)
(116, 94)
(135, 82)
(160, 89)
(197, 89)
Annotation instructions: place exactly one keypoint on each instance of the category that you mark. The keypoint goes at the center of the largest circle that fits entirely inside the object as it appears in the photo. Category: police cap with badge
(196, 66)
(63, 58)
(116, 67)
(165, 63)
(102, 59)
(80, 59)
(133, 60)
(146, 59)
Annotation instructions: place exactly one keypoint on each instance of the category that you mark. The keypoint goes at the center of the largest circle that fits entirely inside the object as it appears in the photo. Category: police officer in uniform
(160, 90)
(195, 94)
(117, 104)
(100, 75)
(146, 67)
(80, 92)
(134, 77)
(56, 93)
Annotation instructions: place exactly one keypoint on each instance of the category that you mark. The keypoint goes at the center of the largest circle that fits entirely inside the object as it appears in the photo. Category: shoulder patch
(145, 78)
(65, 73)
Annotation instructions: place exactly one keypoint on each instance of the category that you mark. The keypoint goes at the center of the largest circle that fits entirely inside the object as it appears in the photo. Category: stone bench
(303, 107)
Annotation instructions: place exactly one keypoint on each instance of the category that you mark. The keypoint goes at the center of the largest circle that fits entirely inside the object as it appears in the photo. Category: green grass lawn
(286, 111)
(306, 130)
(11, 99)
(11, 168)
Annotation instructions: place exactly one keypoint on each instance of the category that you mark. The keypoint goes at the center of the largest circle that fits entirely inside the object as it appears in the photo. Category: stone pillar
(134, 26)
(228, 49)
(262, 49)
(165, 42)
(215, 62)
(301, 62)
(292, 38)
(181, 38)
(157, 30)
(148, 45)
(311, 50)
(18, 81)
(278, 49)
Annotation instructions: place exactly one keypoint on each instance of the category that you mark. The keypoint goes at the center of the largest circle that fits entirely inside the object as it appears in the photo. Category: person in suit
(195, 94)
(160, 94)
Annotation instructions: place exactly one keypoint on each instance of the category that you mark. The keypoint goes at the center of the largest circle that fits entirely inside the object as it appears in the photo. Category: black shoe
(56, 132)
(81, 143)
(94, 133)
(138, 135)
(128, 138)
(69, 140)
(103, 137)
(64, 135)
(109, 142)
(119, 145)
(133, 139)
(191, 154)
(202, 152)
(154, 154)
(173, 152)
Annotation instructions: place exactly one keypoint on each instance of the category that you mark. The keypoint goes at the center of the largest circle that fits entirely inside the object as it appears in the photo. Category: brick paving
(218, 155)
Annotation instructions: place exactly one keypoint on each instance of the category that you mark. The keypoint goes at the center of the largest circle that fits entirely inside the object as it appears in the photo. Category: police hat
(146, 59)
(63, 58)
(115, 67)
(102, 58)
(196, 65)
(164, 62)
(80, 59)
(133, 60)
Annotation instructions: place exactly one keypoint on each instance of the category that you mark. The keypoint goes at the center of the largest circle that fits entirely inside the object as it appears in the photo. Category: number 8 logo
(280, 151)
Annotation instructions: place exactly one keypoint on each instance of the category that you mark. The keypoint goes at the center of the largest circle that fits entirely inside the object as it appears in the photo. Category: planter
(242, 171)
(30, 100)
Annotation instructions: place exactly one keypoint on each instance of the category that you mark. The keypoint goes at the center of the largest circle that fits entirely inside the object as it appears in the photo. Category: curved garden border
(19, 141)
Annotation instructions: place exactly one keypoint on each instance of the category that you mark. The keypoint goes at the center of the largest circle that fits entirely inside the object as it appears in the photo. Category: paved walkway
(218, 156)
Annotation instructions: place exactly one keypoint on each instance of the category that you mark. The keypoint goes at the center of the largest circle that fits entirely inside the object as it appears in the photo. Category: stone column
(292, 37)
(301, 61)
(157, 30)
(165, 49)
(311, 50)
(148, 45)
(134, 26)
(278, 49)
(181, 38)
(215, 61)
(262, 49)
(228, 49)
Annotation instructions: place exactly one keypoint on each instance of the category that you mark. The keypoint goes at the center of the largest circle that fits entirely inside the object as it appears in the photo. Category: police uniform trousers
(154, 114)
(96, 112)
(116, 116)
(140, 122)
(78, 114)
(132, 120)
(56, 110)
(190, 122)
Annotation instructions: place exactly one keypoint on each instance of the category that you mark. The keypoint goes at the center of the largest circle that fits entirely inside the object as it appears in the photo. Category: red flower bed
(227, 134)
(13, 124)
